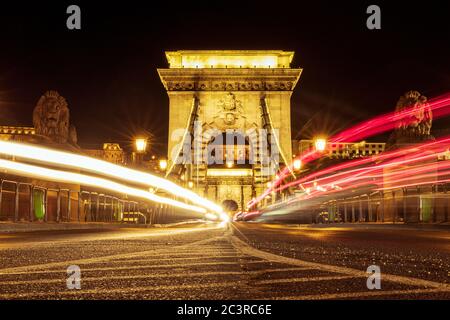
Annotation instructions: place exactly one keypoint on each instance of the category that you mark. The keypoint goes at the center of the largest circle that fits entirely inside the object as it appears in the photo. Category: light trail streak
(435, 147)
(317, 198)
(415, 184)
(66, 159)
(71, 177)
(352, 176)
(416, 153)
(439, 107)
(410, 175)
(375, 176)
(407, 167)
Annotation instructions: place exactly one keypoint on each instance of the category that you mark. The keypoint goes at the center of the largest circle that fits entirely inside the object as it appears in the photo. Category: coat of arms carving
(231, 114)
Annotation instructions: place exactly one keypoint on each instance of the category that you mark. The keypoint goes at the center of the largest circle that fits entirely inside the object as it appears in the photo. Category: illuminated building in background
(111, 152)
(16, 133)
(342, 150)
(229, 92)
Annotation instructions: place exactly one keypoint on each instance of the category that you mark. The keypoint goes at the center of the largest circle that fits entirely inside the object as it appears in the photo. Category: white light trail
(71, 177)
(72, 160)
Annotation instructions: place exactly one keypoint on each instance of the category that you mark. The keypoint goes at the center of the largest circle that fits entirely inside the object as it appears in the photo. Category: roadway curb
(9, 227)
(367, 226)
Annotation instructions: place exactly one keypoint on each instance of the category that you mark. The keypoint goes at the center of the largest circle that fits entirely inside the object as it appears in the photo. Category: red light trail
(439, 107)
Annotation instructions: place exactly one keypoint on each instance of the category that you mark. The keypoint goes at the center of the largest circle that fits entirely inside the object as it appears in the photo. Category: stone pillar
(353, 211)
(242, 198)
(345, 211)
(361, 213)
(394, 207)
(405, 205)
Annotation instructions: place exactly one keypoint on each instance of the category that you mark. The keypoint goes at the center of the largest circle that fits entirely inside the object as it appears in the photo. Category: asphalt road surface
(242, 261)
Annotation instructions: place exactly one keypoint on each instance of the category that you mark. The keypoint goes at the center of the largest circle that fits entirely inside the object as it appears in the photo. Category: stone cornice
(215, 79)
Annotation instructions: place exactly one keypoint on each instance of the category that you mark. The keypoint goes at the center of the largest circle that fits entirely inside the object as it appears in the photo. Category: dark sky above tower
(107, 70)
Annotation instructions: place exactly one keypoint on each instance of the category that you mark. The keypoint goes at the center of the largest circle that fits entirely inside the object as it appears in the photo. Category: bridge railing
(419, 204)
(26, 202)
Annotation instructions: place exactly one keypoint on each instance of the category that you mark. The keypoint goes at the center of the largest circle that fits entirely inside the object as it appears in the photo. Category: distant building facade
(342, 150)
(16, 133)
(111, 152)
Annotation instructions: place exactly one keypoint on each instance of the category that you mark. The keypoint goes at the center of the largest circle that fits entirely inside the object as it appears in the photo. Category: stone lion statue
(51, 119)
(416, 125)
(420, 120)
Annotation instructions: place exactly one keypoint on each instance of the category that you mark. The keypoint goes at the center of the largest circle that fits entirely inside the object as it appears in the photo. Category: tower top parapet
(229, 59)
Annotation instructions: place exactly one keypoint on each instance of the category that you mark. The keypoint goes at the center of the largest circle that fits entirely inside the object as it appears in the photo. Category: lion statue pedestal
(53, 130)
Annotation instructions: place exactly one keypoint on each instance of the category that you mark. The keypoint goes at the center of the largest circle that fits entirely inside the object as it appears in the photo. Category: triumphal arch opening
(229, 120)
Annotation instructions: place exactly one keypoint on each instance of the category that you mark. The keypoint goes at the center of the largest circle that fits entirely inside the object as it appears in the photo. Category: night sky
(107, 70)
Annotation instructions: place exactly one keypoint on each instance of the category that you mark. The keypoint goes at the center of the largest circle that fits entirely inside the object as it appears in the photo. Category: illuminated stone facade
(238, 91)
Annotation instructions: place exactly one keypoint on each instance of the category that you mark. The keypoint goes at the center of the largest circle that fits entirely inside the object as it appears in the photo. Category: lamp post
(140, 145)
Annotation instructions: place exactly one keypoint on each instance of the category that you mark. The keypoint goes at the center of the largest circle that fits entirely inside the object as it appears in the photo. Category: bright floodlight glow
(210, 216)
(229, 173)
(224, 220)
(297, 164)
(224, 217)
(72, 160)
(71, 177)
(320, 144)
(230, 164)
(163, 164)
(141, 144)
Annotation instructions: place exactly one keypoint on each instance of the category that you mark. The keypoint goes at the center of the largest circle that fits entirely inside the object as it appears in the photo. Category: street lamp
(297, 164)
(163, 164)
(320, 144)
(229, 164)
(190, 184)
(141, 145)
